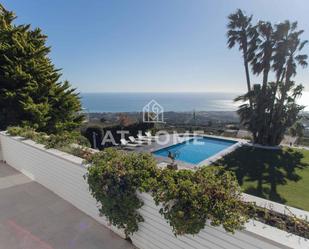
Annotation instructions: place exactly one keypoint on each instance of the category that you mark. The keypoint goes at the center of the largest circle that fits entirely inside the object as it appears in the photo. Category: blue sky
(151, 46)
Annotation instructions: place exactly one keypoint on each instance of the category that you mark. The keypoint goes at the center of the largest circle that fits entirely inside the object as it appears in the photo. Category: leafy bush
(66, 138)
(82, 152)
(190, 198)
(62, 141)
(28, 133)
(114, 177)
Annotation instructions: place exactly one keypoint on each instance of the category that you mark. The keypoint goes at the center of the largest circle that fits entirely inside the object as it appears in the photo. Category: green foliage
(240, 32)
(28, 133)
(273, 51)
(190, 198)
(70, 142)
(297, 130)
(114, 177)
(277, 175)
(82, 152)
(30, 91)
(64, 139)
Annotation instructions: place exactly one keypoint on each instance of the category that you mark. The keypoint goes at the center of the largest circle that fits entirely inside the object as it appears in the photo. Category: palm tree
(293, 55)
(261, 63)
(286, 51)
(281, 35)
(269, 108)
(240, 32)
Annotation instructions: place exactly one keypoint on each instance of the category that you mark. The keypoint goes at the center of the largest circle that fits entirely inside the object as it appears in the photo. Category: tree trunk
(245, 55)
(273, 114)
(247, 75)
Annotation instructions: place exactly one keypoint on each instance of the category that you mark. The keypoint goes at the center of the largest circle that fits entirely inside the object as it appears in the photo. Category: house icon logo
(153, 112)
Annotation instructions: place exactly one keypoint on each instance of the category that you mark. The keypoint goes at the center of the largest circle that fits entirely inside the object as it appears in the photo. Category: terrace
(61, 226)
(34, 217)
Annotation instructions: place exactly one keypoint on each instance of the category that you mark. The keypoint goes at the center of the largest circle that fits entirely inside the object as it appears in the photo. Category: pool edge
(238, 143)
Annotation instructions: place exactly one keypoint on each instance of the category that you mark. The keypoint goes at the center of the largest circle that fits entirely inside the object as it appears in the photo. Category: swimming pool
(196, 150)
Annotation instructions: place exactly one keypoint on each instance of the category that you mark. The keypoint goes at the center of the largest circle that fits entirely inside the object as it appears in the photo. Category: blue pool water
(196, 149)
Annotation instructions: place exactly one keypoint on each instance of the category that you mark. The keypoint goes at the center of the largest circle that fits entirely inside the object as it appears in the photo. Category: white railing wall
(1, 154)
(63, 174)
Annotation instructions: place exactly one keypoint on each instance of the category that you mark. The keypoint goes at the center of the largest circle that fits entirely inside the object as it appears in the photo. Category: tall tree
(261, 62)
(273, 107)
(30, 90)
(288, 90)
(240, 32)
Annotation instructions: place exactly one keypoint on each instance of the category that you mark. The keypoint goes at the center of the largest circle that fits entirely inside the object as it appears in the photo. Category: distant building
(244, 134)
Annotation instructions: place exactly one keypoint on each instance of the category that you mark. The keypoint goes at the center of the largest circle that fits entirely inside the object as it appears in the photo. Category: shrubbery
(70, 142)
(113, 178)
(189, 198)
(28, 133)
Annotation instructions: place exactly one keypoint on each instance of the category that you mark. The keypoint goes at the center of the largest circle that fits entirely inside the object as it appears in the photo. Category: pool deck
(173, 139)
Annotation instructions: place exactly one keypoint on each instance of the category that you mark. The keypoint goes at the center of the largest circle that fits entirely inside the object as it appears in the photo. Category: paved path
(32, 217)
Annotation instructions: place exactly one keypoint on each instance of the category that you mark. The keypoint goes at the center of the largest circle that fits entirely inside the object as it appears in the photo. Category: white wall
(57, 171)
(1, 156)
(63, 174)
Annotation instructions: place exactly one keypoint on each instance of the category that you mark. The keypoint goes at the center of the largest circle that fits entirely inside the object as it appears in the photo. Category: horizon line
(160, 92)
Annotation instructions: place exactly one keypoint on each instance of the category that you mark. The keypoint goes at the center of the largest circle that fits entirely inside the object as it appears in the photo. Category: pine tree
(30, 90)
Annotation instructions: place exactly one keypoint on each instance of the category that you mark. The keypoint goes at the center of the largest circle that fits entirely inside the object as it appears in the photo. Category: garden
(36, 105)
(188, 198)
(278, 175)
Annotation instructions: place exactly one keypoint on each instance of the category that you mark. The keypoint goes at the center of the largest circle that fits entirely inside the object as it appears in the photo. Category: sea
(177, 102)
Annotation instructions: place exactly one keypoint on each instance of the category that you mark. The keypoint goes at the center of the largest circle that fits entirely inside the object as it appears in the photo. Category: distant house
(232, 127)
(244, 134)
(230, 133)
(288, 140)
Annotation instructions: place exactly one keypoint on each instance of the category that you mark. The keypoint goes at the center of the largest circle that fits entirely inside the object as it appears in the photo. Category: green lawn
(281, 176)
